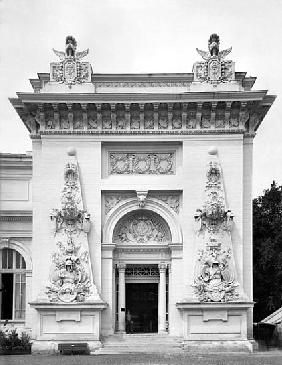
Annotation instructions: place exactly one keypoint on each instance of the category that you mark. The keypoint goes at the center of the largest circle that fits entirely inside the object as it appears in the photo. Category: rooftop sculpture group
(70, 70)
(215, 69)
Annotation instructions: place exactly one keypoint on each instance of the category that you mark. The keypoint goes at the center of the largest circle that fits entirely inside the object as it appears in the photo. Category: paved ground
(259, 358)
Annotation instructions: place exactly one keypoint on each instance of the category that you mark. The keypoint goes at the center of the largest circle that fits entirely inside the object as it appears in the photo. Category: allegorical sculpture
(215, 69)
(215, 277)
(71, 277)
(70, 70)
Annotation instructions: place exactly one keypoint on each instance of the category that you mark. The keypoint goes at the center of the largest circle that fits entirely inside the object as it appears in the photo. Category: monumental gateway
(139, 218)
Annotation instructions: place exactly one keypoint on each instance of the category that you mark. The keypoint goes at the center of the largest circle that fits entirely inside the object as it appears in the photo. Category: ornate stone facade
(141, 141)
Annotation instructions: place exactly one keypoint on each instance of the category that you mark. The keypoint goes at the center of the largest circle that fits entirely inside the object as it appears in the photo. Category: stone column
(162, 298)
(121, 297)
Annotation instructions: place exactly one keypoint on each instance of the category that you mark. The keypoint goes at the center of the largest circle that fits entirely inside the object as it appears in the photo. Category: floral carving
(113, 199)
(215, 277)
(141, 163)
(71, 275)
(142, 228)
(171, 200)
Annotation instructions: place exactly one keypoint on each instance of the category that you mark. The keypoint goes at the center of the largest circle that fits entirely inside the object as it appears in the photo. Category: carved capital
(162, 267)
(4, 241)
(121, 266)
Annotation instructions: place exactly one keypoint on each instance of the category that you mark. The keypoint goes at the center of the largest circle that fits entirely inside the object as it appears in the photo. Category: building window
(12, 285)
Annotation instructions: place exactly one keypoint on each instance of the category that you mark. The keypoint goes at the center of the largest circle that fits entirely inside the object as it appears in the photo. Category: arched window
(12, 285)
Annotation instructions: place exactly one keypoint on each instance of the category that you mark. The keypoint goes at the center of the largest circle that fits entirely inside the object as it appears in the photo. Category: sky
(144, 36)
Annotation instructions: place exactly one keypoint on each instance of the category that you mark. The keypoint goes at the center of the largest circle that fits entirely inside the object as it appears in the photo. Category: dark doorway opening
(142, 308)
(7, 296)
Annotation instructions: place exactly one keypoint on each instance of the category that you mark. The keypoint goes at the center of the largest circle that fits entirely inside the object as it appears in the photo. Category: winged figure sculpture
(71, 50)
(213, 45)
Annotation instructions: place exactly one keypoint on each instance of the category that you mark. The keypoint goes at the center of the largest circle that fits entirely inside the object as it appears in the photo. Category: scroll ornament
(71, 277)
(214, 276)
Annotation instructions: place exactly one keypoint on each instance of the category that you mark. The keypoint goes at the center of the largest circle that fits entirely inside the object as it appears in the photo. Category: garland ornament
(214, 276)
(71, 277)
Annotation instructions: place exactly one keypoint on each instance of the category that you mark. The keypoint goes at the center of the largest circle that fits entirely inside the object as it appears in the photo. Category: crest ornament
(215, 69)
(70, 70)
(214, 276)
(71, 277)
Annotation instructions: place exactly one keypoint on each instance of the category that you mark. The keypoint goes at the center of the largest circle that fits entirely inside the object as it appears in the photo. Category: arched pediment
(140, 227)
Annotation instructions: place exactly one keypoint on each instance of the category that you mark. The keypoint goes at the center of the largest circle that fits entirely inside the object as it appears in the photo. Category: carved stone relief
(191, 119)
(172, 200)
(215, 276)
(112, 199)
(135, 119)
(142, 163)
(220, 118)
(141, 227)
(71, 277)
(77, 120)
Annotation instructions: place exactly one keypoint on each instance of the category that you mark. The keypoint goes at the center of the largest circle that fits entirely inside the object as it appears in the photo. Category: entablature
(184, 113)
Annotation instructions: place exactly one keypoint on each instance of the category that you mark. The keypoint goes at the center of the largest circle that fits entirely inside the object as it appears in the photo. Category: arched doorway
(139, 238)
(141, 278)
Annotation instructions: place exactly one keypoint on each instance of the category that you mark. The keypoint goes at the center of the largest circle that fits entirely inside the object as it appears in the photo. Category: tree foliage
(267, 237)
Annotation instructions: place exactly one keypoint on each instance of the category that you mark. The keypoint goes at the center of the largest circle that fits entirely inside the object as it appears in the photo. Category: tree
(267, 237)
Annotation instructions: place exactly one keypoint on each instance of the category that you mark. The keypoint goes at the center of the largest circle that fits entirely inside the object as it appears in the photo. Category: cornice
(16, 216)
(139, 97)
(15, 161)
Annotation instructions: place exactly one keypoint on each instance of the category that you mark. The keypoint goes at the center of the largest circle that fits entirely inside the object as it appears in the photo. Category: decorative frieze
(142, 84)
(142, 270)
(142, 163)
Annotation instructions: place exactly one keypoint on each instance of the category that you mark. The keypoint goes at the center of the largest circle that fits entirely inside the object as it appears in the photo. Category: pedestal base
(66, 323)
(215, 326)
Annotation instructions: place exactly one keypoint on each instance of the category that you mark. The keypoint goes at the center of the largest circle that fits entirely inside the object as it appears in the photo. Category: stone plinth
(63, 323)
(215, 326)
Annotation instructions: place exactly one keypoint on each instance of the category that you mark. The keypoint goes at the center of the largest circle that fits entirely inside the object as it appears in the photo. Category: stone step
(140, 343)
